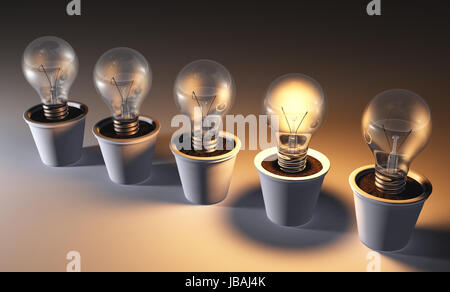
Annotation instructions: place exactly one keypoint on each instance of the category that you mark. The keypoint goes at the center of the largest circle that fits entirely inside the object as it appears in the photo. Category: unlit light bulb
(204, 90)
(298, 104)
(50, 65)
(123, 78)
(397, 126)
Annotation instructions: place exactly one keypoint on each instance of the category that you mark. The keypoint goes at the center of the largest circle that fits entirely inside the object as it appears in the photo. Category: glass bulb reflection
(204, 90)
(397, 126)
(298, 104)
(123, 78)
(50, 65)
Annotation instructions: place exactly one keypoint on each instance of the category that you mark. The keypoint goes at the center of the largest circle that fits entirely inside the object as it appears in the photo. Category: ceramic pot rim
(213, 159)
(424, 182)
(263, 155)
(27, 116)
(130, 141)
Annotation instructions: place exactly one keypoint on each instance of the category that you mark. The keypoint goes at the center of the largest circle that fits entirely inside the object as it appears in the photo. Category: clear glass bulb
(123, 78)
(397, 126)
(204, 90)
(50, 65)
(298, 104)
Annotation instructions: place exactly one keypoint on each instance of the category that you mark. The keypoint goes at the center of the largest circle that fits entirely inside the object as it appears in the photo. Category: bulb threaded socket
(56, 112)
(126, 128)
(391, 185)
(292, 163)
(199, 143)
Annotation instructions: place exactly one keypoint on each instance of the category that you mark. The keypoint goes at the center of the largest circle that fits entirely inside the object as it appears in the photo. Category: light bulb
(397, 126)
(298, 104)
(123, 78)
(204, 90)
(50, 65)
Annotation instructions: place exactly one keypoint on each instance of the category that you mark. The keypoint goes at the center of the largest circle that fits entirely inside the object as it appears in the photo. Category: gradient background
(45, 213)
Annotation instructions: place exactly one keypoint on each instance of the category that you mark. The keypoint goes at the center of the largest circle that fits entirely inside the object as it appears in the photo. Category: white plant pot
(128, 161)
(61, 143)
(290, 201)
(386, 225)
(206, 180)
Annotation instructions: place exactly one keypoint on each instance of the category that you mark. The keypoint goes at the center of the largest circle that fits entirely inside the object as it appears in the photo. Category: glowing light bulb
(204, 90)
(123, 78)
(299, 105)
(50, 65)
(397, 126)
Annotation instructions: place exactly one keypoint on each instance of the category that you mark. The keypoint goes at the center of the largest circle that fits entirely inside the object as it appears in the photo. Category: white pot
(206, 180)
(61, 143)
(290, 201)
(128, 161)
(386, 225)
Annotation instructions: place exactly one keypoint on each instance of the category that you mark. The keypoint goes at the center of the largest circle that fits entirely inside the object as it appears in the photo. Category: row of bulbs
(396, 124)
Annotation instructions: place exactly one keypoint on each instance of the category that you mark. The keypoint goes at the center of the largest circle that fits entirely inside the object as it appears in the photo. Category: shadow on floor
(145, 194)
(428, 250)
(163, 186)
(329, 223)
(164, 174)
(162, 150)
(91, 156)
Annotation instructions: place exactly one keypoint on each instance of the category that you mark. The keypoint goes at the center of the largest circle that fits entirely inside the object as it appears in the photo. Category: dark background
(333, 41)
(353, 56)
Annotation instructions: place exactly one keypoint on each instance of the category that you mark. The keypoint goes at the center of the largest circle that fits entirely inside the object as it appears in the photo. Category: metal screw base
(292, 163)
(126, 128)
(204, 146)
(56, 112)
(391, 185)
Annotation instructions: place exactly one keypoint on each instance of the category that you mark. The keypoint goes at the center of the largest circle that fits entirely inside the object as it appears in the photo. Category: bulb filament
(125, 107)
(392, 164)
(128, 126)
(292, 159)
(53, 88)
(194, 96)
(294, 119)
(54, 111)
(210, 134)
(391, 180)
